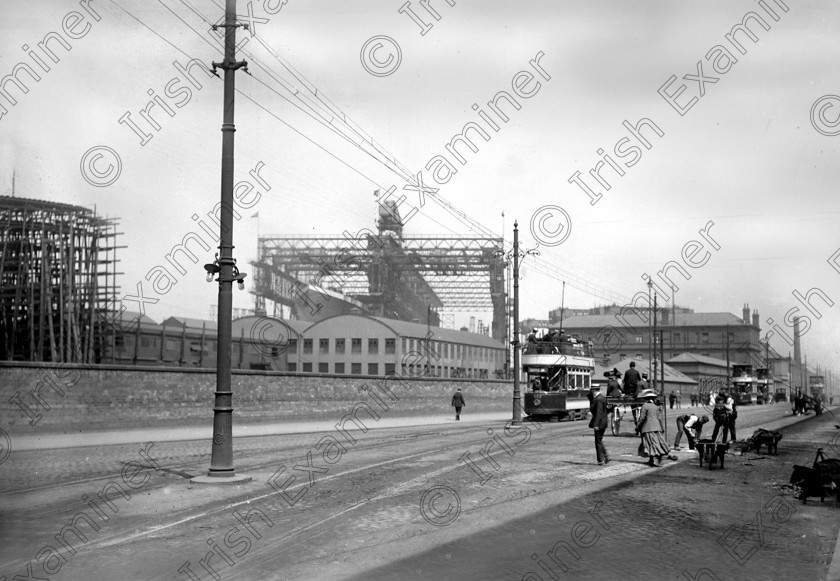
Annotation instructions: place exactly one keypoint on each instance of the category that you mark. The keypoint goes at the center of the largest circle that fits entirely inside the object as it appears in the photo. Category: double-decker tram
(559, 372)
(816, 387)
(744, 385)
(764, 386)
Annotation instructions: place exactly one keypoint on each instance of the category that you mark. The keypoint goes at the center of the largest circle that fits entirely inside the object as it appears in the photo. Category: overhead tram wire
(390, 161)
(264, 108)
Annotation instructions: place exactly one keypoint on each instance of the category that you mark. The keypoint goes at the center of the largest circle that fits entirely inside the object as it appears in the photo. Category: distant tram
(765, 386)
(816, 387)
(559, 372)
(744, 385)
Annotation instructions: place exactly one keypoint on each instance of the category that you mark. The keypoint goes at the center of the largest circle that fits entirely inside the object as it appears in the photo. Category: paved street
(365, 515)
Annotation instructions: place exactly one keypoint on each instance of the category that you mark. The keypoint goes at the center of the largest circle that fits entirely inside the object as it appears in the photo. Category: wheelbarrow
(711, 451)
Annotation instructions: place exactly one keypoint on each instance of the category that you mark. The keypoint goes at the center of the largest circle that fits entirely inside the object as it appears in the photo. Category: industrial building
(352, 344)
(625, 330)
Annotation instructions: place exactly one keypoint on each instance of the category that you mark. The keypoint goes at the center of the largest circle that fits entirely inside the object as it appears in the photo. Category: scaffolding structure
(408, 278)
(57, 281)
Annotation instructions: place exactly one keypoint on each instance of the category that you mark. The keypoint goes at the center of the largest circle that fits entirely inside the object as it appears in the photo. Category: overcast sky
(746, 155)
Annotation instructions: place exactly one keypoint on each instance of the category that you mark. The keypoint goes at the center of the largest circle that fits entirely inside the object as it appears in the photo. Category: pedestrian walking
(598, 408)
(672, 398)
(649, 425)
(687, 424)
(458, 402)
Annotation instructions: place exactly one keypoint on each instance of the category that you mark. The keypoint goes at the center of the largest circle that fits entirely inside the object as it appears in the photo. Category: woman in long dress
(649, 425)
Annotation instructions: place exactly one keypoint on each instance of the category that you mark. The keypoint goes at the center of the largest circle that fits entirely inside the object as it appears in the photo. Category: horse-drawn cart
(618, 407)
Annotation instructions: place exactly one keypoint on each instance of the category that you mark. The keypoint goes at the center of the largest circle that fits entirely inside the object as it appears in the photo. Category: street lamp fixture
(215, 268)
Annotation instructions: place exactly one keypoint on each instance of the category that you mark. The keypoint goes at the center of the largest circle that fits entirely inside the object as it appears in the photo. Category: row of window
(432, 349)
(699, 338)
(340, 368)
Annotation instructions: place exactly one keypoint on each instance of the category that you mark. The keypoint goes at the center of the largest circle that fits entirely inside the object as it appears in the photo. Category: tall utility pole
(221, 460)
(728, 367)
(517, 403)
(650, 331)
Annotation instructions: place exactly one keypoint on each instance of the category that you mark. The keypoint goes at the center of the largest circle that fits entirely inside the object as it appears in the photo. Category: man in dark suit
(631, 380)
(598, 407)
(458, 403)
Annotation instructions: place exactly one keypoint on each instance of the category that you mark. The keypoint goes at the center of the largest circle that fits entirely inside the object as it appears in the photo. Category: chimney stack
(797, 351)
(756, 320)
(746, 314)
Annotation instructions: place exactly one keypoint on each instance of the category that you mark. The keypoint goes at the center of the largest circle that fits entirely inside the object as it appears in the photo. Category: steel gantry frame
(393, 276)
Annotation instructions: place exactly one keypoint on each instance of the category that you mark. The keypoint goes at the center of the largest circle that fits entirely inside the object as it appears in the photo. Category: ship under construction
(57, 280)
(383, 274)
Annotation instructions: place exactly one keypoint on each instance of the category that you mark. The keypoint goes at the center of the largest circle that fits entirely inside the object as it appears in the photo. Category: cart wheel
(615, 425)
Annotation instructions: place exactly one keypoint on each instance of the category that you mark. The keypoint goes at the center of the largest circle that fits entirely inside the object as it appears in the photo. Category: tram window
(356, 346)
(339, 367)
(373, 347)
(586, 383)
(324, 346)
(390, 346)
(339, 346)
(638, 338)
(307, 345)
(323, 368)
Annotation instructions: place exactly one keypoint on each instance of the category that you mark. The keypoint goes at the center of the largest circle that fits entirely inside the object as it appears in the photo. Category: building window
(356, 368)
(293, 345)
(390, 369)
(339, 367)
(307, 345)
(676, 337)
(373, 369)
(292, 367)
(731, 337)
(373, 346)
(307, 368)
(324, 346)
(323, 368)
(704, 337)
(339, 346)
(390, 346)
(356, 346)
(638, 338)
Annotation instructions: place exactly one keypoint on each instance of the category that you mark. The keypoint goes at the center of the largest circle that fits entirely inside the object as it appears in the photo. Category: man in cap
(458, 403)
(598, 408)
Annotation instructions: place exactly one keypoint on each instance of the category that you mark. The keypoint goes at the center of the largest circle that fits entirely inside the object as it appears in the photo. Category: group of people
(650, 427)
(634, 382)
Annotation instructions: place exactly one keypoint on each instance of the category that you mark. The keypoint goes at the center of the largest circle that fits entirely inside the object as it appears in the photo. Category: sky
(753, 161)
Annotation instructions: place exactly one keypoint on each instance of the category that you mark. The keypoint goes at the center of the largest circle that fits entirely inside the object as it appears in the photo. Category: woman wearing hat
(649, 425)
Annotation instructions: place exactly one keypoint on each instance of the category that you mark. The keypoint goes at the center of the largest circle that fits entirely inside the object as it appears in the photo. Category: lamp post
(517, 395)
(221, 460)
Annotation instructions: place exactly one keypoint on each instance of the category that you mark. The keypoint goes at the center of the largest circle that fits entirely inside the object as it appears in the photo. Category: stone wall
(111, 396)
